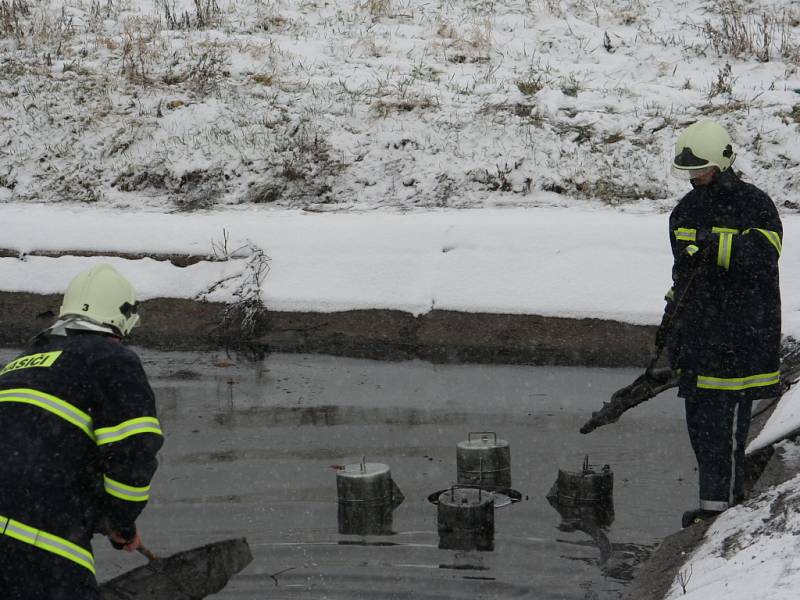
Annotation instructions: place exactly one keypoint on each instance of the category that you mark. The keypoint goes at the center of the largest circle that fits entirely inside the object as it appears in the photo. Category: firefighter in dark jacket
(79, 443)
(723, 311)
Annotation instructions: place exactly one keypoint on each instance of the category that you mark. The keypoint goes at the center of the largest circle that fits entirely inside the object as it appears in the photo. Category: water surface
(250, 449)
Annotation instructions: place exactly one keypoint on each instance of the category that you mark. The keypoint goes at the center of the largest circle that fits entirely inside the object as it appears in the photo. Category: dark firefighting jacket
(725, 301)
(79, 442)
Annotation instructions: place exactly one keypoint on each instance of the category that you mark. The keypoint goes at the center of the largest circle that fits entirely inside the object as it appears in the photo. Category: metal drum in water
(584, 497)
(367, 497)
(483, 460)
(466, 519)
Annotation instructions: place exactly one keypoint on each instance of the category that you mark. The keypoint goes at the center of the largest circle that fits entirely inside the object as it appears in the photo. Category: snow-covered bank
(551, 262)
(386, 103)
(750, 551)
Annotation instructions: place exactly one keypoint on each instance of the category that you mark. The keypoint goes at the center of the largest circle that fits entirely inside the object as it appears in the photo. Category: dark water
(250, 447)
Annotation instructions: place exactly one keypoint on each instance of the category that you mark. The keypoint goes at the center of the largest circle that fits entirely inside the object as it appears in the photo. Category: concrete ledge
(438, 336)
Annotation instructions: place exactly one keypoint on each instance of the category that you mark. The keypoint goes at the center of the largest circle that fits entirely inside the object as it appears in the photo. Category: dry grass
(386, 107)
(206, 15)
(12, 15)
(378, 8)
(472, 46)
(723, 85)
(743, 30)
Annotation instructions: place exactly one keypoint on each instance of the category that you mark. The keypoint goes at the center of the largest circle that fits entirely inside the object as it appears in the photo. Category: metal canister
(367, 498)
(584, 497)
(484, 461)
(466, 519)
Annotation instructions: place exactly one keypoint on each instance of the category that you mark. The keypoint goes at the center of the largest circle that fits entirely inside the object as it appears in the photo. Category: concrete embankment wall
(438, 336)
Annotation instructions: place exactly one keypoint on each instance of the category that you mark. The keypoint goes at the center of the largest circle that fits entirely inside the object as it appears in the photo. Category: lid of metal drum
(357, 470)
(466, 497)
(482, 443)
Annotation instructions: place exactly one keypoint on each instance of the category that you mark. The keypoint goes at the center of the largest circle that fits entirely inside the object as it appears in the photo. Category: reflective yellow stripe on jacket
(72, 414)
(57, 406)
(124, 491)
(46, 541)
(738, 383)
(773, 237)
(684, 234)
(106, 435)
(725, 245)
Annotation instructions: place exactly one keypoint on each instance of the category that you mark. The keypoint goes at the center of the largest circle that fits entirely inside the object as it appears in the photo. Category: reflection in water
(466, 519)
(585, 501)
(624, 561)
(329, 415)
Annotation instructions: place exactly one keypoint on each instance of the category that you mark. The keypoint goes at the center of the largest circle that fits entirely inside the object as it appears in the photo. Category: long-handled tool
(146, 552)
(653, 381)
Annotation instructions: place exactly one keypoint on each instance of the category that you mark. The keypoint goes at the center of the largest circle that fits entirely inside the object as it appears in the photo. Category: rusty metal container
(466, 519)
(484, 461)
(367, 497)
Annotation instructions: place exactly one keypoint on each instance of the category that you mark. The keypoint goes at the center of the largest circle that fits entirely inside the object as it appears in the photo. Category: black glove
(691, 259)
(660, 375)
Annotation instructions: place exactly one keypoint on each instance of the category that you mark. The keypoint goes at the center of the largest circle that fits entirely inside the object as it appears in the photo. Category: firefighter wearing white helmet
(701, 149)
(722, 321)
(79, 418)
(102, 297)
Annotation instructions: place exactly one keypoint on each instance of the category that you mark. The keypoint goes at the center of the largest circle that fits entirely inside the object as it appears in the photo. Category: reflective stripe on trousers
(738, 383)
(47, 541)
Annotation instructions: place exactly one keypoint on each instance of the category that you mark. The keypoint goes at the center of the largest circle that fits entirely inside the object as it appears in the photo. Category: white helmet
(702, 145)
(103, 296)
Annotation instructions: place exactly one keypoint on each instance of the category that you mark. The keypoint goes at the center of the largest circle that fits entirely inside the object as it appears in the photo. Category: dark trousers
(29, 573)
(718, 424)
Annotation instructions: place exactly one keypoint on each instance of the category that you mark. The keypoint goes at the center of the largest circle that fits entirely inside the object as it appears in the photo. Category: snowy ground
(128, 125)
(360, 104)
(751, 551)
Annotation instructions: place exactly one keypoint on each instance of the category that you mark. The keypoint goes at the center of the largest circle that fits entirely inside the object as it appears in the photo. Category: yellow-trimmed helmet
(103, 296)
(702, 145)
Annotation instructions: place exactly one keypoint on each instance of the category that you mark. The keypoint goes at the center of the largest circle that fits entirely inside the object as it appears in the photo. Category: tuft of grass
(743, 30)
(723, 85)
(531, 86)
(378, 8)
(12, 15)
(263, 78)
(474, 47)
(386, 107)
(206, 15)
(570, 86)
(142, 49)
